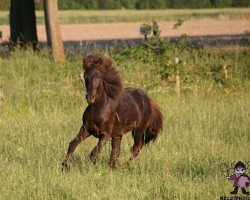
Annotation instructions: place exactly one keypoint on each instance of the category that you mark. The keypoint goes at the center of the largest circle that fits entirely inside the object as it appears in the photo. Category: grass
(206, 125)
(111, 16)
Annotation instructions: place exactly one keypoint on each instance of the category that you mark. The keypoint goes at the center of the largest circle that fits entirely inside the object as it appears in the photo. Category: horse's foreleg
(115, 153)
(82, 134)
(98, 148)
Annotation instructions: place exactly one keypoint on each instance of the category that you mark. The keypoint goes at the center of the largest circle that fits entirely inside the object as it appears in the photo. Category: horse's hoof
(112, 167)
(65, 165)
(92, 158)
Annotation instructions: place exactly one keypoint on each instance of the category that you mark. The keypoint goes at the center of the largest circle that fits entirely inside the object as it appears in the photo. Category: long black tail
(155, 125)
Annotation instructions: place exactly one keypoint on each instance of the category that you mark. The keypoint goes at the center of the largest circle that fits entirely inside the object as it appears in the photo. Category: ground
(106, 31)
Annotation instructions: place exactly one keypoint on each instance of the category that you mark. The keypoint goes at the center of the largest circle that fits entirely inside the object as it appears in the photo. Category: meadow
(109, 16)
(206, 125)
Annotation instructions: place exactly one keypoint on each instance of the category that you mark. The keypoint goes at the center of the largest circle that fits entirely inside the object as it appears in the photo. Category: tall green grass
(206, 125)
(112, 16)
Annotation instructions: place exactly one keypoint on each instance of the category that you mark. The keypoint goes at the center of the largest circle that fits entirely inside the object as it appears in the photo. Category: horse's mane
(112, 81)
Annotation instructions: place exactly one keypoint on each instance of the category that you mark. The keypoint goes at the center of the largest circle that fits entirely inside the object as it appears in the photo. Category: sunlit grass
(110, 16)
(41, 112)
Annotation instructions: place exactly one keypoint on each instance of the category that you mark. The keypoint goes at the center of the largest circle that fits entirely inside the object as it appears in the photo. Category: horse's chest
(97, 124)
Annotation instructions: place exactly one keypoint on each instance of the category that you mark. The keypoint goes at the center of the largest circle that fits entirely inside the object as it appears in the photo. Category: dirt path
(199, 27)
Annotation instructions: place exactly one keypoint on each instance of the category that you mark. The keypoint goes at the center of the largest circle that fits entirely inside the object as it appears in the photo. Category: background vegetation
(139, 4)
(110, 16)
(204, 126)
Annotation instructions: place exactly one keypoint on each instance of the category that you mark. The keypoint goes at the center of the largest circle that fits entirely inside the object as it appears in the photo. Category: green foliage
(91, 4)
(142, 4)
(240, 3)
(128, 4)
(138, 4)
(109, 4)
(190, 4)
(149, 4)
(220, 3)
(157, 4)
(178, 24)
(111, 16)
(69, 4)
(193, 65)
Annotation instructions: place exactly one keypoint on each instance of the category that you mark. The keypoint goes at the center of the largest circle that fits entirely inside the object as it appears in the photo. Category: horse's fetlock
(65, 165)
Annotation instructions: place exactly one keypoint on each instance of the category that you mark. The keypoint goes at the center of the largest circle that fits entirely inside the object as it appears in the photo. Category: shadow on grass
(87, 46)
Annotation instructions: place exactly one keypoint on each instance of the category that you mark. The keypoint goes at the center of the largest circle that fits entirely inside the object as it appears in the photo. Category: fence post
(177, 77)
(225, 71)
(1, 89)
(82, 78)
(177, 83)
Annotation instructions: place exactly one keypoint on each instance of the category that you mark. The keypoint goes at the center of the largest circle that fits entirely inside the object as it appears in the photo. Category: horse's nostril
(90, 99)
(93, 99)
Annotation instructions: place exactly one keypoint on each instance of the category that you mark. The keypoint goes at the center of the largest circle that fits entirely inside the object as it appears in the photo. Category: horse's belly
(131, 109)
(127, 121)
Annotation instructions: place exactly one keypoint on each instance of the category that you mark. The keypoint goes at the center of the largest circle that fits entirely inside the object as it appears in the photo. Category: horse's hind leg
(115, 153)
(138, 142)
(82, 134)
(98, 148)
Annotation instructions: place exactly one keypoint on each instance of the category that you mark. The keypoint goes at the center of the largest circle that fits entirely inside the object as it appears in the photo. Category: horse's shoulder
(86, 114)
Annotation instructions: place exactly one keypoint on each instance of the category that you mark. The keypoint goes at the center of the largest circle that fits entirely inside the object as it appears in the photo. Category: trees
(54, 38)
(23, 23)
(23, 26)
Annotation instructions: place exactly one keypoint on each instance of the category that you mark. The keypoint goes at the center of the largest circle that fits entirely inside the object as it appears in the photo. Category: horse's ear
(87, 62)
(104, 63)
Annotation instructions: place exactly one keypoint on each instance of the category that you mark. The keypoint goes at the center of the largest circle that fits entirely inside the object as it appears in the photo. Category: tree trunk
(54, 38)
(23, 23)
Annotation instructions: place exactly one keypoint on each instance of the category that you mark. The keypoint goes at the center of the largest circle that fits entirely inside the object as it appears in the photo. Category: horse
(113, 111)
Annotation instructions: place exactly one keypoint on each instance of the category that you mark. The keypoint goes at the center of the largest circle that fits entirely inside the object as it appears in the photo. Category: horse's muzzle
(90, 99)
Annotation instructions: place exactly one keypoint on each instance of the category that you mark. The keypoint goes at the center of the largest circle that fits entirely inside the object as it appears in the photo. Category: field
(111, 16)
(124, 24)
(205, 126)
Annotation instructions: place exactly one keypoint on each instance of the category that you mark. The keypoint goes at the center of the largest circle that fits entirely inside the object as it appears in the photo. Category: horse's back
(138, 96)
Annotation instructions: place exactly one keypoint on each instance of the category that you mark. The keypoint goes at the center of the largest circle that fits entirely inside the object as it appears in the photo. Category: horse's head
(94, 65)
(92, 79)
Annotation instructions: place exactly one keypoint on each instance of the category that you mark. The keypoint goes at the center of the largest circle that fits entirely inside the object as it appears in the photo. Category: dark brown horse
(113, 111)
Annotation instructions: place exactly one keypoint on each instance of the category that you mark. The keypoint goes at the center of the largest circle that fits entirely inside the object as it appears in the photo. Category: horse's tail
(155, 123)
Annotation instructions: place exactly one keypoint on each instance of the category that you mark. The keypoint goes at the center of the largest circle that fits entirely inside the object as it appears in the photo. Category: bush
(157, 4)
(128, 4)
(220, 3)
(240, 3)
(142, 4)
(190, 4)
